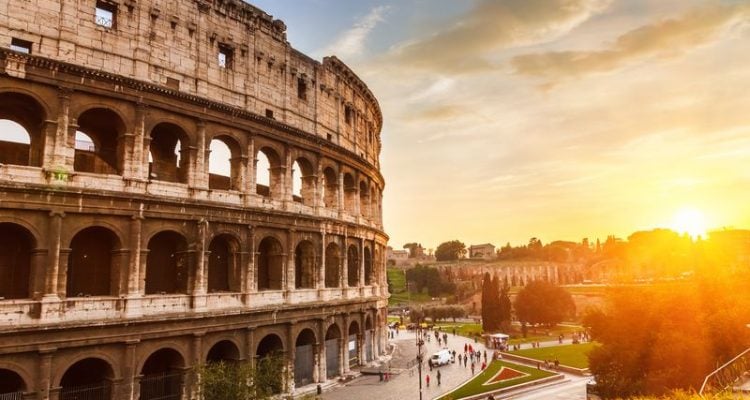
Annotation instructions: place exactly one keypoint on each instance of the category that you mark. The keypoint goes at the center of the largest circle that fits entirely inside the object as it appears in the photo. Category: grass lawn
(572, 355)
(399, 295)
(467, 329)
(476, 385)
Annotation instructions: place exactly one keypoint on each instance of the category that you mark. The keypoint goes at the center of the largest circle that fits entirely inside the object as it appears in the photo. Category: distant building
(396, 255)
(485, 251)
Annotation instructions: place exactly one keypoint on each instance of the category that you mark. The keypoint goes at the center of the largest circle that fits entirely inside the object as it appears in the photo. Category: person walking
(427, 379)
(438, 377)
(472, 368)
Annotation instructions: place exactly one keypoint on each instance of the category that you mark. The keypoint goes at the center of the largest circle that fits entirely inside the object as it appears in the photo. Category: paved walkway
(405, 385)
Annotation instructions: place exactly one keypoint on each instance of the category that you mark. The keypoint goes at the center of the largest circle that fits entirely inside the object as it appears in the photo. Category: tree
(541, 302)
(450, 251)
(504, 307)
(238, 380)
(492, 314)
(412, 247)
(429, 278)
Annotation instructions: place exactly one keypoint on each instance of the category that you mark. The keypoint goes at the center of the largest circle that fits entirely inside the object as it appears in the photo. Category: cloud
(492, 25)
(351, 43)
(664, 39)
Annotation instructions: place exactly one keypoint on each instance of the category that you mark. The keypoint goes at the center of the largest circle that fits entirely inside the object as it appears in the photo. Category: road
(405, 384)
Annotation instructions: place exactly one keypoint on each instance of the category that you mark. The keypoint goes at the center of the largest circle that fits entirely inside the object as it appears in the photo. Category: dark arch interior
(106, 129)
(162, 376)
(304, 265)
(167, 264)
(224, 350)
(350, 193)
(91, 263)
(221, 264)
(354, 328)
(333, 266)
(16, 245)
(330, 188)
(270, 345)
(87, 379)
(333, 332)
(270, 264)
(352, 260)
(368, 323)
(26, 112)
(10, 382)
(168, 156)
(307, 336)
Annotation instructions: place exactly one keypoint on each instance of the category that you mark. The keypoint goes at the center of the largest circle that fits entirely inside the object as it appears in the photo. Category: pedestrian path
(405, 385)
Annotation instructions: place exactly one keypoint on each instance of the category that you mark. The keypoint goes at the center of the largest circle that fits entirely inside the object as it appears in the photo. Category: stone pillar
(316, 361)
(143, 264)
(291, 355)
(139, 154)
(62, 272)
(344, 265)
(37, 283)
(360, 345)
(129, 389)
(57, 159)
(287, 176)
(201, 267)
(198, 172)
(250, 345)
(133, 281)
(239, 172)
(277, 186)
(250, 274)
(252, 163)
(196, 359)
(361, 282)
(289, 287)
(44, 379)
(322, 369)
(53, 267)
(345, 346)
(341, 200)
(321, 282)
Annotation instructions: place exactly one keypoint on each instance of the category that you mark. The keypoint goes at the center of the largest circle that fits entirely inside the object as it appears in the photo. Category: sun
(691, 221)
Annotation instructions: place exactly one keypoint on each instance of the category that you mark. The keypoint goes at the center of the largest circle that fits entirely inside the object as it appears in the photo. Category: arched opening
(16, 244)
(333, 351)
(304, 265)
(162, 376)
(350, 194)
(92, 263)
(368, 266)
(374, 205)
(167, 264)
(98, 142)
(352, 266)
(268, 173)
(330, 188)
(90, 378)
(168, 155)
(270, 264)
(304, 358)
(21, 124)
(224, 350)
(224, 164)
(12, 385)
(303, 182)
(333, 266)
(353, 344)
(223, 265)
(364, 199)
(270, 355)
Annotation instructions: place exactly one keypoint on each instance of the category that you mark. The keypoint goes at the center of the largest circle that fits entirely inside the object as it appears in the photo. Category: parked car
(442, 357)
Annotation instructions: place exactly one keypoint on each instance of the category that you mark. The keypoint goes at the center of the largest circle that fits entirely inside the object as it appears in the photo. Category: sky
(558, 119)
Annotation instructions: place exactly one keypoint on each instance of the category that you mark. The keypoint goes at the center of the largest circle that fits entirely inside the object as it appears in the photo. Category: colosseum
(178, 185)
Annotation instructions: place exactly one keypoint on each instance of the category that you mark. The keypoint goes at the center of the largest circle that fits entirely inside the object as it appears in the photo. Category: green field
(467, 329)
(476, 385)
(572, 355)
(399, 295)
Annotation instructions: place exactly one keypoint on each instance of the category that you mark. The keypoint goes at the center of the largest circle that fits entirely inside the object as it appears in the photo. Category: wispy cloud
(351, 43)
(664, 39)
(468, 44)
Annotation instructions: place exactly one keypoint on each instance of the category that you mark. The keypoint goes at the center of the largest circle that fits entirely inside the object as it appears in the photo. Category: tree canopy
(450, 251)
(541, 302)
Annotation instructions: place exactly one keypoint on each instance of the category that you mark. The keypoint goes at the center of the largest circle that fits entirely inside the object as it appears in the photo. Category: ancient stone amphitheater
(178, 185)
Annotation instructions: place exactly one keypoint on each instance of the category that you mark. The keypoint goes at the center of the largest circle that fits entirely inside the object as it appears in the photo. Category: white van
(442, 357)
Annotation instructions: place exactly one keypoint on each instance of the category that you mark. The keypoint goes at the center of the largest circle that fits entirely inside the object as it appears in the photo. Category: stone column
(129, 389)
(198, 173)
(44, 153)
(345, 346)
(45, 373)
(344, 265)
(322, 369)
(289, 287)
(38, 276)
(362, 262)
(250, 273)
(316, 361)
(321, 282)
(291, 356)
(140, 157)
(53, 268)
(201, 267)
(57, 159)
(136, 227)
(341, 199)
(250, 345)
(239, 172)
(252, 162)
(287, 176)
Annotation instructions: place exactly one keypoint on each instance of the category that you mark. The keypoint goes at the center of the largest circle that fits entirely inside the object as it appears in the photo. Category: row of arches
(165, 372)
(101, 144)
(95, 261)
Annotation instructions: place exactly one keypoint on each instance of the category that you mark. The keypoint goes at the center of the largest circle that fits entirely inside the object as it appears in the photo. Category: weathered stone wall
(176, 44)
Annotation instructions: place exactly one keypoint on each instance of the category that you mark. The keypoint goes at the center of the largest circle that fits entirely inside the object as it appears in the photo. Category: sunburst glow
(691, 221)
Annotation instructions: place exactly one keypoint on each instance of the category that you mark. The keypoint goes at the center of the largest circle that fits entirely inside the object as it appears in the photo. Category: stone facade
(129, 262)
(484, 251)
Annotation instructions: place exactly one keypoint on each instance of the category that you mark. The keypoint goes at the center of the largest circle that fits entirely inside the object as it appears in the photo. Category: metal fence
(304, 364)
(99, 391)
(332, 358)
(162, 386)
(728, 375)
(11, 396)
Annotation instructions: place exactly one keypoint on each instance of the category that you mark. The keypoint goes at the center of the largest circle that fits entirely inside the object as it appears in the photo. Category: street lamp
(420, 343)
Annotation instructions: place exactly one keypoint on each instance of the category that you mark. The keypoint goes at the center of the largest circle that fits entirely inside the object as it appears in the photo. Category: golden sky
(560, 119)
